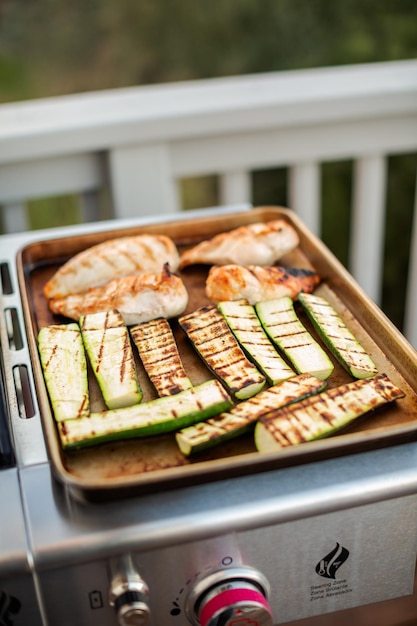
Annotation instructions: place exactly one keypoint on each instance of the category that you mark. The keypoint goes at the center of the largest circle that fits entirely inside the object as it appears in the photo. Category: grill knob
(234, 596)
(132, 609)
(129, 596)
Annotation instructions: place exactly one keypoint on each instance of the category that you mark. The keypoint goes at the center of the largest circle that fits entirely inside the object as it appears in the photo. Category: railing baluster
(15, 218)
(304, 194)
(141, 181)
(410, 325)
(367, 233)
(235, 188)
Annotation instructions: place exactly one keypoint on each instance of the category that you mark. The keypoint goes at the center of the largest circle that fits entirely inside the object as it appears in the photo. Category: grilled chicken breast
(258, 244)
(138, 298)
(256, 283)
(124, 256)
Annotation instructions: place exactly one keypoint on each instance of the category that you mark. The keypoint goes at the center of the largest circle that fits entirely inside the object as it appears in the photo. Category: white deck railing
(140, 142)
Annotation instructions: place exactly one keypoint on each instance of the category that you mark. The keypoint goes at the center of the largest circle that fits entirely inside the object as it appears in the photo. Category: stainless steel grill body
(18, 595)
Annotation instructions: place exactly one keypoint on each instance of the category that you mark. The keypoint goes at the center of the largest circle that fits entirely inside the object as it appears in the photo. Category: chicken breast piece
(257, 283)
(138, 298)
(115, 258)
(257, 244)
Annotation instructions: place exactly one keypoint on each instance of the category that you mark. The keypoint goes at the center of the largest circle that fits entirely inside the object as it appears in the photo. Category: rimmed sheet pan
(120, 469)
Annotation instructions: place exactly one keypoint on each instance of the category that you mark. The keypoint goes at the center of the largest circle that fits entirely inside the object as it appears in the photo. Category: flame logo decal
(9, 608)
(328, 565)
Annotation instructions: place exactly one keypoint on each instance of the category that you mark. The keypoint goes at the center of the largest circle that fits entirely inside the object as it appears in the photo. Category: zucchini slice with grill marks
(324, 414)
(248, 330)
(340, 340)
(159, 354)
(283, 326)
(215, 343)
(155, 417)
(64, 367)
(242, 417)
(107, 343)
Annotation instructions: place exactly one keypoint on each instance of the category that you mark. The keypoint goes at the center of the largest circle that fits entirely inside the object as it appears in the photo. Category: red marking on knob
(227, 598)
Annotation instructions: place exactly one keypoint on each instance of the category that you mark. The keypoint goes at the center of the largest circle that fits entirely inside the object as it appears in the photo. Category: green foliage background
(50, 48)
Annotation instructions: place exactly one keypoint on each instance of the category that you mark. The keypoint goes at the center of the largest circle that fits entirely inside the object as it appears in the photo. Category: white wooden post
(305, 194)
(367, 235)
(235, 188)
(141, 180)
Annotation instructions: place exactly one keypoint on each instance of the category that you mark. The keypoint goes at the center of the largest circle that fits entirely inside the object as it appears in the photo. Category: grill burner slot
(6, 279)
(23, 391)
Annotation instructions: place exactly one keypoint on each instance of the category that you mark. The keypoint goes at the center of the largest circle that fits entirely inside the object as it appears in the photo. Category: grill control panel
(164, 562)
(223, 597)
(265, 576)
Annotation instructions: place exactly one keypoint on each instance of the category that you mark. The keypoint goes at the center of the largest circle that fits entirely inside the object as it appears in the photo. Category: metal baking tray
(155, 463)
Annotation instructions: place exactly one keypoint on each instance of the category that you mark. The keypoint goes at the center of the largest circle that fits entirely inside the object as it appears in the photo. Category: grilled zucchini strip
(242, 417)
(64, 367)
(340, 340)
(158, 416)
(282, 325)
(215, 343)
(324, 414)
(247, 328)
(107, 343)
(160, 357)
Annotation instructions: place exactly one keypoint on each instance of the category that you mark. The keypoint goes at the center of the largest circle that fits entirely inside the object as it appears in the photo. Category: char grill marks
(260, 243)
(115, 258)
(159, 354)
(256, 283)
(338, 337)
(213, 340)
(324, 413)
(105, 332)
(209, 333)
(107, 343)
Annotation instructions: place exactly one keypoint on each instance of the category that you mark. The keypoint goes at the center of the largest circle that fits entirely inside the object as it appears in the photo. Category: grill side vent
(23, 391)
(6, 279)
(14, 333)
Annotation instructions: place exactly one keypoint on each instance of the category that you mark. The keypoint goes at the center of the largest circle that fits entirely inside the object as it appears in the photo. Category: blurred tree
(48, 47)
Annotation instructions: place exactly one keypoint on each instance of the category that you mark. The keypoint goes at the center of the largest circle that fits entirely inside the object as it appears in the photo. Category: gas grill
(235, 539)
